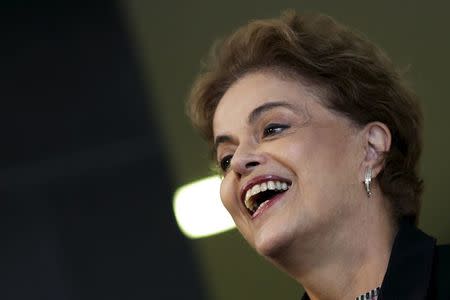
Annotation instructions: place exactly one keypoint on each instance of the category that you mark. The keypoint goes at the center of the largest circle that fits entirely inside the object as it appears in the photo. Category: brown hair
(360, 82)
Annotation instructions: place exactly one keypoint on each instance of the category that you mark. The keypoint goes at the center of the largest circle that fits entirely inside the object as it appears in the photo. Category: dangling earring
(368, 180)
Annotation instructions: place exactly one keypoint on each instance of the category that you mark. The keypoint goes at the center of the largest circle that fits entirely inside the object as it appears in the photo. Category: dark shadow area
(85, 190)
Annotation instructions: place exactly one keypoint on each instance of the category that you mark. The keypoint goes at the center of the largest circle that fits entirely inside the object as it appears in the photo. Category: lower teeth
(255, 208)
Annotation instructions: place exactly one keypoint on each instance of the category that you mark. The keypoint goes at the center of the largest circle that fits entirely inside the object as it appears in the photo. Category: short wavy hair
(358, 79)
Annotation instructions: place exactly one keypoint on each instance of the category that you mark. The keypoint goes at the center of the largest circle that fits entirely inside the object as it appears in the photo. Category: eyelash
(225, 162)
(273, 129)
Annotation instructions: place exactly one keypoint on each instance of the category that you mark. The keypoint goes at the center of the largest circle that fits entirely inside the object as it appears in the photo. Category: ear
(377, 142)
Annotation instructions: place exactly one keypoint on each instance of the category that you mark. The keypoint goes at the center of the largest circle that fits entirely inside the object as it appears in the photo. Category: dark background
(85, 188)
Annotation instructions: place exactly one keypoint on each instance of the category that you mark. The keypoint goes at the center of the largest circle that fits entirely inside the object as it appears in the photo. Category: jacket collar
(410, 265)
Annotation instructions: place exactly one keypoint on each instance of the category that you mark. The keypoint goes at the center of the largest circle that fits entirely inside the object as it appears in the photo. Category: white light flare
(198, 209)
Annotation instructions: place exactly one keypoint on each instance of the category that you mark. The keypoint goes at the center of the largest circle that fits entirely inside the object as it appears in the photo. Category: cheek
(226, 193)
(321, 159)
(231, 203)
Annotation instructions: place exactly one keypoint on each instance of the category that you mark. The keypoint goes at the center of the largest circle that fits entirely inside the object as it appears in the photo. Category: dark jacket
(417, 269)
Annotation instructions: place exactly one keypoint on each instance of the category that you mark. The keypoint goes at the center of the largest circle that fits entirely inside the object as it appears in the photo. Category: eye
(273, 129)
(225, 162)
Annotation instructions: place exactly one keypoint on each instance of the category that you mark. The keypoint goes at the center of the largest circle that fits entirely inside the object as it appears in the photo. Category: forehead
(252, 91)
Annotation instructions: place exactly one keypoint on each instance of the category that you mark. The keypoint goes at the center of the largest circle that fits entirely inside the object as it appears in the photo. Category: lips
(258, 192)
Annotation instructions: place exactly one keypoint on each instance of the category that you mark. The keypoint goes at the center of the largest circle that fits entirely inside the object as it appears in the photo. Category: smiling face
(271, 131)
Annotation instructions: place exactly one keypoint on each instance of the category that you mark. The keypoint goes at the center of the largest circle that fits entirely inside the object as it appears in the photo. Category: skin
(323, 231)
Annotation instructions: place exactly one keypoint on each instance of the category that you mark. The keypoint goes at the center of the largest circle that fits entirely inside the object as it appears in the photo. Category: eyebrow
(220, 139)
(257, 112)
(253, 117)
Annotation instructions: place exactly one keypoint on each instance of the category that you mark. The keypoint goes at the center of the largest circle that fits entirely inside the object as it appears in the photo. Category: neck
(346, 261)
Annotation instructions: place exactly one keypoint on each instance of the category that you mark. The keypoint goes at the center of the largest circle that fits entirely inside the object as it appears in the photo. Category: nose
(246, 159)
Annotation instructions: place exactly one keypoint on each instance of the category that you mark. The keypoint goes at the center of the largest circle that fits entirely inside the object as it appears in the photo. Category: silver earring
(368, 180)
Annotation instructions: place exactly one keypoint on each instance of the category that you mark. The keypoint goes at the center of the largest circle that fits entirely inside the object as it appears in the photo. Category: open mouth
(258, 195)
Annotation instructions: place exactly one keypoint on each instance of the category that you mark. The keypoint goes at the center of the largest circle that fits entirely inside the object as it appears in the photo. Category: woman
(318, 139)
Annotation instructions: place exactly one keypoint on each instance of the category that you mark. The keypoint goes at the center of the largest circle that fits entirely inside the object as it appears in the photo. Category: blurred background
(95, 142)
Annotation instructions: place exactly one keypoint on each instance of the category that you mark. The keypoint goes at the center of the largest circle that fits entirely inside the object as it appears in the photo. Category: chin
(272, 244)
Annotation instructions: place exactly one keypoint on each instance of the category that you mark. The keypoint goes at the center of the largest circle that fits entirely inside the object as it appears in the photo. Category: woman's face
(291, 166)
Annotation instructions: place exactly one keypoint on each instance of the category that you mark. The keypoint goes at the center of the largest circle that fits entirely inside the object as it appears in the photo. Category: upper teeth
(264, 186)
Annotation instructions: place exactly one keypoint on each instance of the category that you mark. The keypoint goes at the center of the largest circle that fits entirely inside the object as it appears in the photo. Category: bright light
(198, 209)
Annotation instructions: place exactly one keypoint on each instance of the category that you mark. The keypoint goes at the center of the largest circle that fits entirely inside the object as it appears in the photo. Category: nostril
(251, 164)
